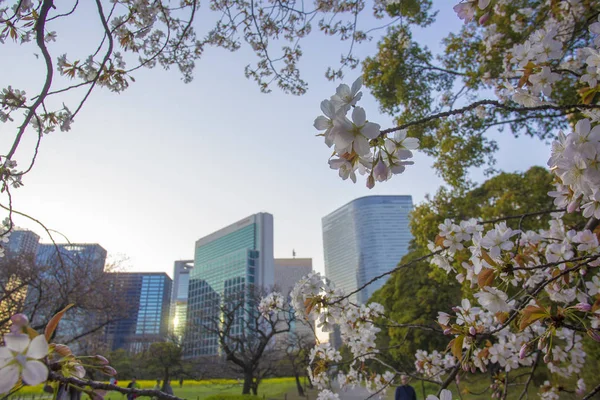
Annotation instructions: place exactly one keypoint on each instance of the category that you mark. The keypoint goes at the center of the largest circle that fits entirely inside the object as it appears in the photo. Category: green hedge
(231, 397)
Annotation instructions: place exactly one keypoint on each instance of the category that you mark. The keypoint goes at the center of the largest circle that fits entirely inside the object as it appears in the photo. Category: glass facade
(226, 264)
(22, 242)
(148, 295)
(364, 239)
(92, 256)
(179, 299)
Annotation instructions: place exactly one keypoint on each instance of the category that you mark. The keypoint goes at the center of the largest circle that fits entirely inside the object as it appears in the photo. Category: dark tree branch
(495, 104)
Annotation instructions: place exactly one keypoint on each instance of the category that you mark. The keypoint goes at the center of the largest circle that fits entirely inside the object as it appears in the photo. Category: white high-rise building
(288, 271)
(365, 238)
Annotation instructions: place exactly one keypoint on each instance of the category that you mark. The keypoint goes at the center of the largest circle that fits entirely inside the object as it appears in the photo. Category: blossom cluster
(358, 143)
(271, 303)
(543, 277)
(575, 160)
(26, 356)
(316, 299)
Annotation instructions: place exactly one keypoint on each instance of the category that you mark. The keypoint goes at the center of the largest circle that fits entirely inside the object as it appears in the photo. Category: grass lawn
(274, 388)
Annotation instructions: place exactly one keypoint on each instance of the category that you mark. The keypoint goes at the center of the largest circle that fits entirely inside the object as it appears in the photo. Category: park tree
(296, 348)
(165, 360)
(246, 327)
(528, 66)
(43, 289)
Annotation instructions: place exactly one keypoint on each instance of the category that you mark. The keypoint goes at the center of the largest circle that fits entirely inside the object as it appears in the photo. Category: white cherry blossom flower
(346, 97)
(355, 134)
(326, 122)
(493, 299)
(19, 358)
(445, 394)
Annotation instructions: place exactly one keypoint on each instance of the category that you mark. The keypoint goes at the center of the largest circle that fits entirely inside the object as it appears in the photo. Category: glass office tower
(76, 255)
(148, 295)
(227, 263)
(179, 298)
(364, 239)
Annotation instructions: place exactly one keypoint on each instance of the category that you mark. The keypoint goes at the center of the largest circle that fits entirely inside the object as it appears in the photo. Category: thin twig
(592, 393)
(533, 367)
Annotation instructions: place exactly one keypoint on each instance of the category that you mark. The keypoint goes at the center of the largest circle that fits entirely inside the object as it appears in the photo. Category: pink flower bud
(465, 367)
(472, 331)
(540, 344)
(547, 358)
(582, 271)
(447, 331)
(523, 351)
(585, 307)
(380, 171)
(108, 370)
(370, 182)
(594, 334)
(572, 206)
(473, 369)
(455, 309)
(20, 320)
(484, 18)
(101, 360)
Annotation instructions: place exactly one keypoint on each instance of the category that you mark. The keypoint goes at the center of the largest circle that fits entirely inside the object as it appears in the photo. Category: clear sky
(148, 172)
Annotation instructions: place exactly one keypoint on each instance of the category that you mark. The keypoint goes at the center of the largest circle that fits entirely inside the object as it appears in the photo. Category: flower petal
(361, 146)
(359, 116)
(342, 90)
(322, 123)
(411, 143)
(400, 135)
(446, 395)
(35, 372)
(328, 108)
(5, 356)
(356, 86)
(9, 376)
(38, 348)
(371, 130)
(16, 342)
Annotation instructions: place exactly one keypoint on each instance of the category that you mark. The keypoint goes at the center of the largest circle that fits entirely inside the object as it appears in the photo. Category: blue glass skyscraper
(148, 298)
(227, 263)
(364, 239)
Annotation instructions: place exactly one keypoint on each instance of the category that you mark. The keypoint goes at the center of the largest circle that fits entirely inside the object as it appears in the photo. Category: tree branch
(493, 103)
(53, 376)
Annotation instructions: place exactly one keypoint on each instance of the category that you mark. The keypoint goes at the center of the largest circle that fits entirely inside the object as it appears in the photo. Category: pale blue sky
(148, 172)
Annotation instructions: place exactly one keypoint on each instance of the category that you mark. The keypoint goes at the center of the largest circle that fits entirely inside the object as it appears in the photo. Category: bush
(231, 397)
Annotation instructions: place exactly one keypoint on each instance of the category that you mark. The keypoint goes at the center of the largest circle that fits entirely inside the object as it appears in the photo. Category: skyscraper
(365, 238)
(179, 297)
(226, 263)
(148, 296)
(89, 255)
(22, 242)
(288, 271)
(21, 248)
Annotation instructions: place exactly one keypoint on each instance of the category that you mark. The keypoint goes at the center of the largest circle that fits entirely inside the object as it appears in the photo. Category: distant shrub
(231, 397)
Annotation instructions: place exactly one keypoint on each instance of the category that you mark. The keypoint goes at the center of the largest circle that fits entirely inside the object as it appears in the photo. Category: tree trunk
(310, 384)
(247, 382)
(299, 385)
(165, 380)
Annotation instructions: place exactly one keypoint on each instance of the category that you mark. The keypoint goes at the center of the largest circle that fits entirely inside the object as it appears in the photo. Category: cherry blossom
(20, 358)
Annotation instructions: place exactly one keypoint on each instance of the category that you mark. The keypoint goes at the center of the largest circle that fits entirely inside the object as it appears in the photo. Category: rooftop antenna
(294, 253)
